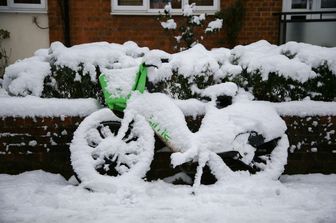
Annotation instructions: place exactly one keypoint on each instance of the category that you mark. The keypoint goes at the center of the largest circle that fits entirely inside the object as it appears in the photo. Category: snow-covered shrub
(190, 29)
(69, 72)
(25, 77)
(67, 83)
(291, 71)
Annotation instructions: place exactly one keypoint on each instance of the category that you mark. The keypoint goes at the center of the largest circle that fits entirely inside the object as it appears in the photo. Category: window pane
(3, 2)
(326, 4)
(129, 2)
(160, 4)
(299, 4)
(27, 1)
(202, 2)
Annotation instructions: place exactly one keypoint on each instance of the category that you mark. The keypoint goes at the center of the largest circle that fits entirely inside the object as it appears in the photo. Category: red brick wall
(43, 143)
(91, 21)
(260, 23)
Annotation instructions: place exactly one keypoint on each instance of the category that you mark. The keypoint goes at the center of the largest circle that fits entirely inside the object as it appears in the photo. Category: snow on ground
(39, 196)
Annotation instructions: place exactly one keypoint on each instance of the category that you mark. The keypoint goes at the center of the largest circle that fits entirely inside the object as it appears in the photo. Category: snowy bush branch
(190, 30)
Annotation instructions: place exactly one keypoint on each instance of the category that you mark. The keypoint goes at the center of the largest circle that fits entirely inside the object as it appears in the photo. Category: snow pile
(311, 55)
(101, 54)
(214, 25)
(168, 8)
(169, 24)
(305, 108)
(198, 19)
(266, 58)
(26, 76)
(227, 88)
(33, 107)
(292, 60)
(188, 63)
(41, 197)
(188, 10)
(260, 56)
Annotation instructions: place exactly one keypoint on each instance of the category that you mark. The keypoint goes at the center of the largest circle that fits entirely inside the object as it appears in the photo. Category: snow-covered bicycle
(112, 149)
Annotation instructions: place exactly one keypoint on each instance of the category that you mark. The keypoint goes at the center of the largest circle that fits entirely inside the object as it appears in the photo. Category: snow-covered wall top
(37, 107)
(31, 106)
(292, 59)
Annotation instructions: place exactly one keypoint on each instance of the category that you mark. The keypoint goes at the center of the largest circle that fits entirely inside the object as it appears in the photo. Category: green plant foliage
(62, 83)
(322, 87)
(276, 88)
(233, 17)
(177, 86)
(67, 83)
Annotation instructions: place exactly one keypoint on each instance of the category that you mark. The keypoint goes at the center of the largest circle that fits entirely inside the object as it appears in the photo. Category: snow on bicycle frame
(220, 126)
(130, 150)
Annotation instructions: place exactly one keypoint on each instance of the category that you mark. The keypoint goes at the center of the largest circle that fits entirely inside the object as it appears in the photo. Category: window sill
(142, 13)
(24, 11)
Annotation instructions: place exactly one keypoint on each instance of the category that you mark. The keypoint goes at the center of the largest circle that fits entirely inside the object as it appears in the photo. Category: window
(299, 4)
(23, 6)
(308, 6)
(150, 7)
(327, 4)
(3, 3)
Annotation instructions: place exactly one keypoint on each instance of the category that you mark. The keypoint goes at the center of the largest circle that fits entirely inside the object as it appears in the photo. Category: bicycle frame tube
(140, 79)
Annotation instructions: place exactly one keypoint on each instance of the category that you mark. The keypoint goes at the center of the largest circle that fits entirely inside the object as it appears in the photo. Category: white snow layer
(41, 197)
(305, 108)
(214, 25)
(26, 76)
(31, 106)
(170, 24)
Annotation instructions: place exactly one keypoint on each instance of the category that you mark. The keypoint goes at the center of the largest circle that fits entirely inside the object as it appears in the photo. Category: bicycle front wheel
(103, 159)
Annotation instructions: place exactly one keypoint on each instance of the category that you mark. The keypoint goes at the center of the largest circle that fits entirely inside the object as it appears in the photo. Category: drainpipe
(64, 6)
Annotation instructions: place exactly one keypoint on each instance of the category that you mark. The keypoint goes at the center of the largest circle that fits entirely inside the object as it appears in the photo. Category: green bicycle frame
(120, 103)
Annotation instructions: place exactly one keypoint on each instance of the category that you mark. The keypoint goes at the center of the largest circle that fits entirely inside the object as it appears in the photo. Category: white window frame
(318, 7)
(315, 6)
(287, 7)
(145, 10)
(25, 8)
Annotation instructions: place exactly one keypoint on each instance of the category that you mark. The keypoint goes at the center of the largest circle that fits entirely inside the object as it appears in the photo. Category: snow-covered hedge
(291, 71)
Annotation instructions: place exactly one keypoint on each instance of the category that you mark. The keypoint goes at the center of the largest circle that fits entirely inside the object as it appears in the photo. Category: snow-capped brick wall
(312, 144)
(43, 143)
(36, 143)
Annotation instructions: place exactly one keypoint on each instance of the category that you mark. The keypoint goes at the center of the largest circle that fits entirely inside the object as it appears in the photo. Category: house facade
(136, 20)
(36, 23)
